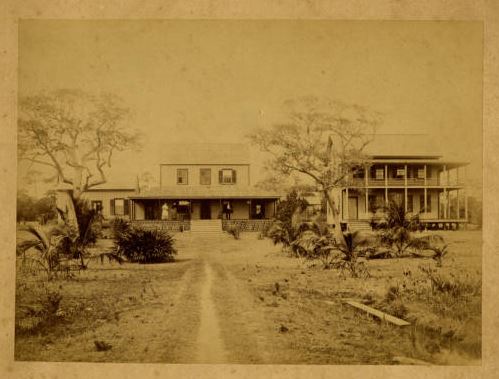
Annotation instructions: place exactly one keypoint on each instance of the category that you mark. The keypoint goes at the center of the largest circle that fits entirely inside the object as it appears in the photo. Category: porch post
(458, 205)
(466, 206)
(386, 184)
(425, 200)
(405, 188)
(249, 210)
(347, 216)
(445, 205)
(425, 175)
(367, 191)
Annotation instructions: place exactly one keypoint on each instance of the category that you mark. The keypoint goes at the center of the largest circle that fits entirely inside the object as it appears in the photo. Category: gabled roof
(206, 192)
(206, 153)
(403, 146)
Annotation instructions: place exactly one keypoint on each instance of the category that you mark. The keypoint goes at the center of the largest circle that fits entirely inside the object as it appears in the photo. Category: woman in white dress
(164, 212)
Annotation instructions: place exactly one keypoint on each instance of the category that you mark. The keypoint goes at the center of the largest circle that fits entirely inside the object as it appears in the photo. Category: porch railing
(166, 225)
(400, 182)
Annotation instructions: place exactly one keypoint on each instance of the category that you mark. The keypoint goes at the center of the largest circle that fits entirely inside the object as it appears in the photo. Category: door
(353, 211)
(205, 210)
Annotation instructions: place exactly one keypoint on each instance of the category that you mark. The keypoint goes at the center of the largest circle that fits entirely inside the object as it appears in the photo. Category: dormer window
(227, 176)
(182, 176)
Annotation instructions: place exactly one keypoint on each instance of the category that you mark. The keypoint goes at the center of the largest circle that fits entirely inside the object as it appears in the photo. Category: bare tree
(322, 140)
(75, 134)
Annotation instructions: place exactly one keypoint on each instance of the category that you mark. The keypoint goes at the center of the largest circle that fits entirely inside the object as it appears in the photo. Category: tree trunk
(338, 234)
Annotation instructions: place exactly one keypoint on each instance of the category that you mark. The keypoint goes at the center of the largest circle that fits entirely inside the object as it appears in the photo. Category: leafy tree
(322, 140)
(31, 209)
(74, 134)
(25, 207)
(287, 208)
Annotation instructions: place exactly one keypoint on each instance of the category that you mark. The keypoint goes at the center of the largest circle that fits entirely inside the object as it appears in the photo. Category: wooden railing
(397, 182)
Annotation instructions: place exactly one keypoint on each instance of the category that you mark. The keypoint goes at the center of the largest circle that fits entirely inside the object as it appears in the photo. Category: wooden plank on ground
(381, 315)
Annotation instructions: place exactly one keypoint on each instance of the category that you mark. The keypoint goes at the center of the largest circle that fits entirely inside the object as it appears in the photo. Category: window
(97, 206)
(428, 203)
(205, 176)
(358, 173)
(119, 207)
(399, 173)
(227, 176)
(182, 176)
(380, 173)
(420, 173)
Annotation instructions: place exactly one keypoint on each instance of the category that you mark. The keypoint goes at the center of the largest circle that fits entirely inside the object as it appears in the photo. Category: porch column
(405, 188)
(425, 175)
(466, 206)
(367, 191)
(249, 210)
(386, 184)
(425, 200)
(446, 198)
(347, 216)
(458, 205)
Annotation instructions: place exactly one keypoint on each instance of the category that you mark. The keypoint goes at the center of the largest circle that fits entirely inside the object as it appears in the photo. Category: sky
(214, 81)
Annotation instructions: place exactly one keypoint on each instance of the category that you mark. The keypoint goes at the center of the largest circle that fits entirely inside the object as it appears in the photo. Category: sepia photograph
(300, 192)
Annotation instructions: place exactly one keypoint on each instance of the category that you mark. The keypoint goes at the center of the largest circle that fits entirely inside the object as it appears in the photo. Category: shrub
(119, 226)
(234, 231)
(145, 246)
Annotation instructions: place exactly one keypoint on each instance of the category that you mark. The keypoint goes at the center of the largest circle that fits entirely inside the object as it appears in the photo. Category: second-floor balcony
(401, 182)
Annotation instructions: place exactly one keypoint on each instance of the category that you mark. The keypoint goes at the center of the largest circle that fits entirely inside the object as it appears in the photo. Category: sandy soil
(223, 301)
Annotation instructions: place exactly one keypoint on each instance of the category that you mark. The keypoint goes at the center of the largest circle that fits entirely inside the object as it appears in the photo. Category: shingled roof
(206, 153)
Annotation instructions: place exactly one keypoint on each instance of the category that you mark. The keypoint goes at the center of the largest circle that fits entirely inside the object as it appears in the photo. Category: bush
(144, 246)
(234, 231)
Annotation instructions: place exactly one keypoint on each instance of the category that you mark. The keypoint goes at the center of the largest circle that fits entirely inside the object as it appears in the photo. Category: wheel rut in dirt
(211, 348)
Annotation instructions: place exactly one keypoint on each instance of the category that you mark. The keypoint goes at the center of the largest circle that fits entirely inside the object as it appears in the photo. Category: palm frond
(39, 234)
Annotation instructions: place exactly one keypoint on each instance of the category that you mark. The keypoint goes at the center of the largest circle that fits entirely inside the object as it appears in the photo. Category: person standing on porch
(164, 211)
(228, 211)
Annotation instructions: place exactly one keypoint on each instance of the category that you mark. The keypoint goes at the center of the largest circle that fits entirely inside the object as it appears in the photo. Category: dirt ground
(231, 301)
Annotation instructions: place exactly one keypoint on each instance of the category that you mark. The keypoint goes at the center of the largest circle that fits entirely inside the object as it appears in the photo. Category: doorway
(205, 212)
(353, 208)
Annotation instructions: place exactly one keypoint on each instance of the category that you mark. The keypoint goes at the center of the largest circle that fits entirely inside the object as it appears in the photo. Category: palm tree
(46, 242)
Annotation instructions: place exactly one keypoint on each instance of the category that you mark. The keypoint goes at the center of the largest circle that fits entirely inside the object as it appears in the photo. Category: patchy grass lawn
(145, 313)
(290, 294)
(271, 308)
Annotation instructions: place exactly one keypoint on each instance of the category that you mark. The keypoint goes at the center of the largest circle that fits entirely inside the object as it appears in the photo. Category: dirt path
(209, 342)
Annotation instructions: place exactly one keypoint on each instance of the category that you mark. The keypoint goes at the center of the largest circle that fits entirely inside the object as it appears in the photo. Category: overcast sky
(215, 80)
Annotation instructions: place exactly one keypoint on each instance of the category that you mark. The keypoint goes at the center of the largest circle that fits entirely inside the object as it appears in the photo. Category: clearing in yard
(245, 301)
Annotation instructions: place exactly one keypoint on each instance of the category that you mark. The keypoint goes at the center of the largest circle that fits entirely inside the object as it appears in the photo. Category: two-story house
(204, 182)
(407, 169)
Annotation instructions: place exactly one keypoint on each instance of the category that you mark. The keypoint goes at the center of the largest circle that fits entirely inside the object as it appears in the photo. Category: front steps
(360, 225)
(206, 227)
